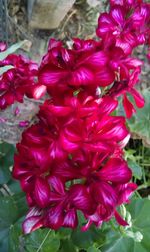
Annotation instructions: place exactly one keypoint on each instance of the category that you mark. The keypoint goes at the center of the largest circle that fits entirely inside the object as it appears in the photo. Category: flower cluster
(18, 81)
(72, 159)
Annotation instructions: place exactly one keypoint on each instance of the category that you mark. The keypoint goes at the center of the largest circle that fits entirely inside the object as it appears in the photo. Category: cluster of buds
(72, 159)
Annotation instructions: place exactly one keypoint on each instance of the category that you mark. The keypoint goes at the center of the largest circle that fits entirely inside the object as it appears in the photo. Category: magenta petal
(86, 226)
(107, 105)
(128, 106)
(32, 221)
(49, 77)
(31, 224)
(116, 130)
(20, 168)
(39, 155)
(105, 25)
(67, 56)
(133, 62)
(55, 151)
(72, 132)
(30, 200)
(71, 219)
(81, 199)
(82, 76)
(37, 91)
(125, 46)
(27, 182)
(104, 194)
(54, 43)
(66, 171)
(116, 170)
(120, 220)
(68, 145)
(56, 185)
(138, 98)
(59, 110)
(118, 15)
(96, 60)
(98, 147)
(54, 217)
(105, 18)
(42, 192)
(124, 192)
(104, 77)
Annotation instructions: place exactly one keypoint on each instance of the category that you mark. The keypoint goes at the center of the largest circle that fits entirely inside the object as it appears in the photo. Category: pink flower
(19, 81)
(127, 23)
(54, 151)
(69, 69)
(127, 86)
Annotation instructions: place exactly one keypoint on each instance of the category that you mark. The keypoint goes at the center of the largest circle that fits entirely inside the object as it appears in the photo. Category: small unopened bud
(138, 237)
(123, 211)
(129, 219)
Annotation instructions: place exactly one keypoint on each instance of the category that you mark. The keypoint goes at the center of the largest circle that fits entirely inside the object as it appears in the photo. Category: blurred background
(37, 21)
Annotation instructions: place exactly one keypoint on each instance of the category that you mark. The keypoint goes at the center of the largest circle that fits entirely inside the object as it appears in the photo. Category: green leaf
(20, 200)
(6, 160)
(15, 242)
(12, 208)
(8, 216)
(64, 233)
(139, 209)
(5, 148)
(14, 186)
(67, 246)
(139, 124)
(84, 240)
(5, 69)
(42, 240)
(93, 249)
(12, 49)
(8, 212)
(136, 169)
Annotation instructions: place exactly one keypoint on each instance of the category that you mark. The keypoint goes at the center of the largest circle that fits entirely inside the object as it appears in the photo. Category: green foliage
(67, 245)
(139, 124)
(6, 160)
(133, 163)
(136, 169)
(93, 249)
(42, 241)
(12, 49)
(9, 216)
(139, 209)
(84, 240)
